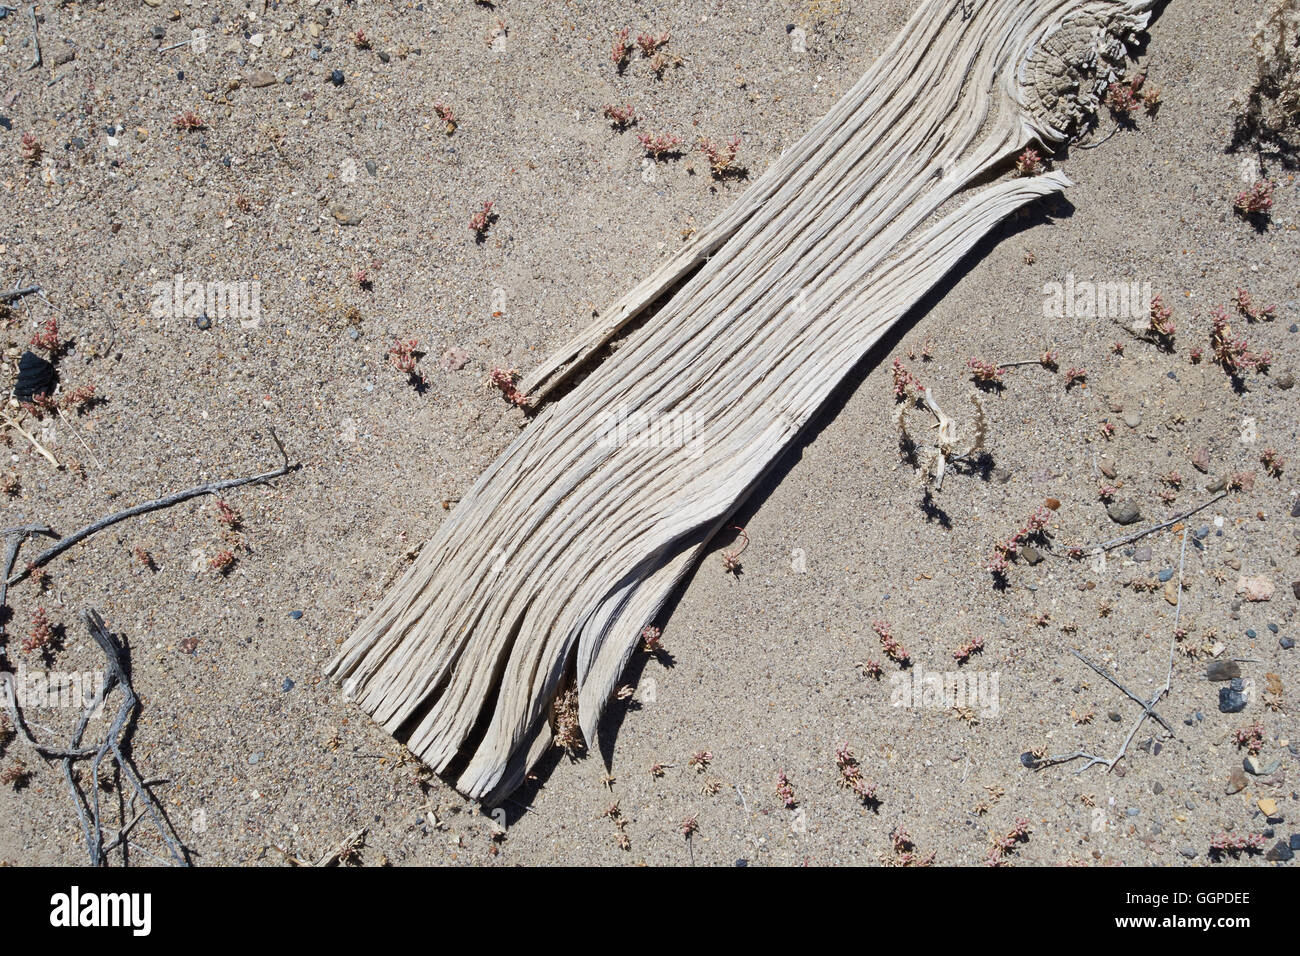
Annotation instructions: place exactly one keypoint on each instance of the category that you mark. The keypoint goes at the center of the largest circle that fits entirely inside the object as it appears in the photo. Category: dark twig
(210, 488)
(36, 40)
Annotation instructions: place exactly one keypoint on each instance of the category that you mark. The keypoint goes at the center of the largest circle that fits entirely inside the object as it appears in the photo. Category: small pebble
(202, 322)
(1280, 853)
(1222, 670)
(1166, 574)
(287, 685)
(1124, 512)
(295, 614)
(336, 77)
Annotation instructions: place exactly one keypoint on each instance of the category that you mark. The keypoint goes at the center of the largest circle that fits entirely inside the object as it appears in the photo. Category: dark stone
(35, 377)
(336, 77)
(287, 685)
(295, 614)
(1028, 760)
(1280, 853)
(1231, 701)
(1222, 670)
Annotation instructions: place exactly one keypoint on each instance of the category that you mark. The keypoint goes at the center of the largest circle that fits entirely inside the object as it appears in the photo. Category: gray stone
(1124, 512)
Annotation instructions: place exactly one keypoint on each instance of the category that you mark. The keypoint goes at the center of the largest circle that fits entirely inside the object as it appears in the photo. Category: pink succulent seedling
(964, 651)
(905, 853)
(659, 145)
(1273, 463)
(504, 380)
(890, 645)
(1251, 737)
(223, 562)
(360, 40)
(620, 117)
(1048, 360)
(47, 338)
(189, 121)
(851, 775)
(1246, 306)
(30, 149)
(1029, 163)
(1162, 319)
(785, 791)
(722, 157)
(41, 634)
(404, 357)
(1107, 429)
(906, 385)
(1256, 200)
(448, 117)
(228, 516)
(622, 50)
(1075, 375)
(985, 373)
(700, 760)
(481, 220)
(1234, 844)
(1107, 492)
(651, 639)
(650, 44)
(689, 827)
(1000, 847)
(1233, 354)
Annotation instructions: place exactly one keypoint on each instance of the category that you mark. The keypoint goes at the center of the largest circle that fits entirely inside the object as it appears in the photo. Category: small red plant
(41, 634)
(851, 775)
(621, 117)
(223, 561)
(1000, 847)
(1246, 306)
(479, 222)
(228, 516)
(78, 399)
(1107, 430)
(1251, 738)
(1030, 162)
(30, 149)
(622, 50)
(1162, 319)
(188, 122)
(360, 40)
(504, 379)
(964, 651)
(404, 357)
(985, 372)
(722, 158)
(731, 559)
(1234, 354)
(905, 853)
(785, 791)
(689, 827)
(1075, 375)
(906, 385)
(444, 113)
(700, 760)
(892, 648)
(47, 338)
(1257, 200)
(1273, 462)
(649, 43)
(659, 145)
(650, 639)
(1004, 551)
(1235, 844)
(1048, 360)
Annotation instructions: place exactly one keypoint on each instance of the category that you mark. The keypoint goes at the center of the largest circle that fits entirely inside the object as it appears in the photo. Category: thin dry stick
(1130, 538)
(36, 40)
(14, 538)
(45, 452)
(210, 488)
(1147, 705)
(12, 294)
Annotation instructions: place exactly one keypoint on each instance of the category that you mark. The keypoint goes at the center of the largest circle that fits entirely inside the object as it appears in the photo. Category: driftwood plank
(571, 541)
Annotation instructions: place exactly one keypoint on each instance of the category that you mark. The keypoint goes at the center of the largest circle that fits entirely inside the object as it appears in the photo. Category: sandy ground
(265, 759)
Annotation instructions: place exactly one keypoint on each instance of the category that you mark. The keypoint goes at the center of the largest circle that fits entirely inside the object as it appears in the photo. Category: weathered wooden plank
(571, 541)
